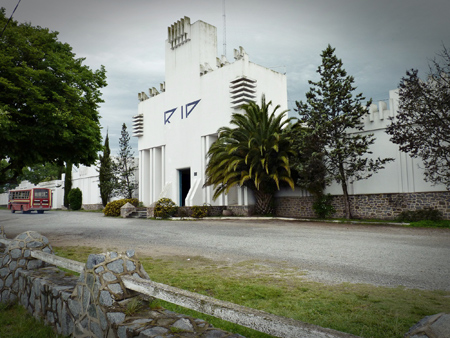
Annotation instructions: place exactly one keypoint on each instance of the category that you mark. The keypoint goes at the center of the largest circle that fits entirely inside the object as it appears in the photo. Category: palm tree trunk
(264, 203)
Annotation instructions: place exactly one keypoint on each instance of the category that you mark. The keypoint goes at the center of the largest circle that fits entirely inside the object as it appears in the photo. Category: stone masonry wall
(95, 304)
(380, 206)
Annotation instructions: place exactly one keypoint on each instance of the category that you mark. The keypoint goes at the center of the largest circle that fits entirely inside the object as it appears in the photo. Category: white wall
(193, 73)
(403, 175)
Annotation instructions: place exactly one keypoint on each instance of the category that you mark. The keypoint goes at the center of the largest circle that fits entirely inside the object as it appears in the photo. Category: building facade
(399, 186)
(176, 124)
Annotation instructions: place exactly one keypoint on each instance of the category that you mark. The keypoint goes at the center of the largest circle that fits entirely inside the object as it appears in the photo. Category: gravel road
(331, 253)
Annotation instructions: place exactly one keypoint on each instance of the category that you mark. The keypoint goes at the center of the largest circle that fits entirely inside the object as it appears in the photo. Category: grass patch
(360, 309)
(431, 224)
(16, 322)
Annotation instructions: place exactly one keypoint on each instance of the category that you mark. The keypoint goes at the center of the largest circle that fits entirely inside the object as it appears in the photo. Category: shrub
(322, 206)
(113, 208)
(199, 211)
(75, 198)
(165, 208)
(426, 214)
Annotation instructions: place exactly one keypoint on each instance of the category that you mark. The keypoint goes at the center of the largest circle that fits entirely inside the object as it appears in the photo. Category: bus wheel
(12, 210)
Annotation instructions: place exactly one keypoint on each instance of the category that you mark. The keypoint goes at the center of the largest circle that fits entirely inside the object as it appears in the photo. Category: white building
(400, 186)
(177, 123)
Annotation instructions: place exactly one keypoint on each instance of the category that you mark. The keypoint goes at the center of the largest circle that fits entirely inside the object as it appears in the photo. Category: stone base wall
(380, 206)
(242, 210)
(92, 206)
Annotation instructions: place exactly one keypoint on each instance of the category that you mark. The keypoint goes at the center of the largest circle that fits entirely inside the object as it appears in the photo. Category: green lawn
(16, 322)
(360, 309)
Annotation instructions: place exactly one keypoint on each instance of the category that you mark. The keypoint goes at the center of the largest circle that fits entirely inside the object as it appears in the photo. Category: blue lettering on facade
(188, 108)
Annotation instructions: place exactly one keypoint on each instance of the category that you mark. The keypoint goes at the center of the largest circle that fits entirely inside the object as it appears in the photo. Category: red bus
(39, 199)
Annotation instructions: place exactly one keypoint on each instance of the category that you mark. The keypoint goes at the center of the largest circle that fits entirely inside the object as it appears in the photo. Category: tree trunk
(347, 210)
(264, 203)
(67, 183)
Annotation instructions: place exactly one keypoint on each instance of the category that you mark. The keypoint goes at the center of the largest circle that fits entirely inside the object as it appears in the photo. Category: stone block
(152, 332)
(16, 253)
(116, 266)
(74, 307)
(105, 298)
(96, 329)
(130, 266)
(94, 260)
(436, 326)
(227, 213)
(115, 288)
(183, 324)
(115, 317)
(109, 277)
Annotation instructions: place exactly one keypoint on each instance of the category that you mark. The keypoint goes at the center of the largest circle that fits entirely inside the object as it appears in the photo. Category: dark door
(185, 184)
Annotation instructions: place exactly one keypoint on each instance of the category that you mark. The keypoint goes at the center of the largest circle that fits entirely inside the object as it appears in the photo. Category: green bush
(199, 211)
(165, 208)
(426, 214)
(113, 208)
(322, 206)
(75, 198)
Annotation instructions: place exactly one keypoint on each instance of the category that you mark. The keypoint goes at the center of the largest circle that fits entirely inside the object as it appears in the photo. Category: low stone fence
(113, 297)
(381, 206)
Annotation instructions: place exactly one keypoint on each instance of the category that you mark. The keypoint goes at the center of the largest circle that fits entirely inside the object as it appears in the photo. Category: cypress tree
(106, 173)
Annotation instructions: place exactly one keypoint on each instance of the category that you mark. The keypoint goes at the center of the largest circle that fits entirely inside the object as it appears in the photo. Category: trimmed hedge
(113, 208)
(75, 198)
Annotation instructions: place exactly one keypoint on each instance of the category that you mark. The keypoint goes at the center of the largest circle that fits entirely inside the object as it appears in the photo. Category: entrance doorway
(185, 184)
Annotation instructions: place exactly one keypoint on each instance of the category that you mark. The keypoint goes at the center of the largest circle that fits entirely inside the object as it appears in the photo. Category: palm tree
(254, 154)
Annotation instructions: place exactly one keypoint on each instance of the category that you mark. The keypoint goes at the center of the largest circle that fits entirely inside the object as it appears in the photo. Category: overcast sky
(377, 40)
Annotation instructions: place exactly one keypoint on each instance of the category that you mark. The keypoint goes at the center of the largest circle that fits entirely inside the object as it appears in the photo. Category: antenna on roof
(224, 30)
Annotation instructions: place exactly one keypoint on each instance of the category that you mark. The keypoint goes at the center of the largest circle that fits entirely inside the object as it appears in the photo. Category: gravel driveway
(332, 253)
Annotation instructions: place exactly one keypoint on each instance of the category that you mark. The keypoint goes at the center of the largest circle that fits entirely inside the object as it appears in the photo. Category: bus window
(41, 193)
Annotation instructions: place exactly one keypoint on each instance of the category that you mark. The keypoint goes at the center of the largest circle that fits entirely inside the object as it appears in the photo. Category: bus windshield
(40, 193)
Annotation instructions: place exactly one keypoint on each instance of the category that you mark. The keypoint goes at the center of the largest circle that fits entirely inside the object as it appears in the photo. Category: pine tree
(107, 179)
(333, 116)
(124, 167)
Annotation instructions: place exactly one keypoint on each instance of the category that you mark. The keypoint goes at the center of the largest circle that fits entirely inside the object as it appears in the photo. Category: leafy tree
(254, 154)
(41, 173)
(333, 117)
(124, 167)
(107, 179)
(422, 124)
(48, 101)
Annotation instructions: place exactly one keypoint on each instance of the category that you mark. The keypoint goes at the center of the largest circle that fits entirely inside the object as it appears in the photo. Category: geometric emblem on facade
(190, 107)
(168, 114)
